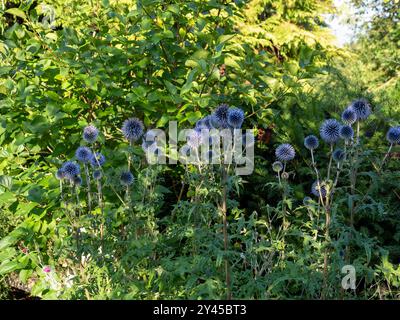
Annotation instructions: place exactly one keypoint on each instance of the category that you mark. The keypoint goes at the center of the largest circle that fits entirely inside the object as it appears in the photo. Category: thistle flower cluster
(332, 131)
(223, 117)
(70, 170)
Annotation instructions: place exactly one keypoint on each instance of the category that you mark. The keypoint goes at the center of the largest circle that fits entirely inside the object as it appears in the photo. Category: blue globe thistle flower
(90, 134)
(132, 129)
(60, 174)
(97, 159)
(221, 116)
(318, 187)
(362, 109)
(83, 154)
(311, 142)
(194, 139)
(71, 169)
(346, 132)
(338, 155)
(277, 166)
(126, 178)
(329, 131)
(285, 152)
(148, 140)
(349, 116)
(393, 135)
(214, 121)
(77, 181)
(97, 175)
(235, 117)
(207, 121)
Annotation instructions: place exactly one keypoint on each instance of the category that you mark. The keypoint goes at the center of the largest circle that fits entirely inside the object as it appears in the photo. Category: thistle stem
(386, 155)
(330, 163)
(88, 187)
(225, 231)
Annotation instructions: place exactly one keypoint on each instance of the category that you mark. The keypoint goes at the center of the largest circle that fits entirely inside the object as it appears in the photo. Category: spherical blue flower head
(207, 121)
(83, 154)
(329, 131)
(194, 139)
(285, 152)
(126, 178)
(97, 175)
(349, 116)
(221, 116)
(90, 134)
(393, 135)
(235, 117)
(338, 155)
(311, 142)
(132, 129)
(346, 132)
(214, 121)
(277, 166)
(97, 160)
(317, 188)
(200, 125)
(77, 181)
(71, 169)
(60, 174)
(362, 109)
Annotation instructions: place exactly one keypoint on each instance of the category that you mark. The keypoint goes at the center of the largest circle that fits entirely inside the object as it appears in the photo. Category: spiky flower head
(71, 169)
(126, 178)
(97, 159)
(277, 166)
(338, 155)
(329, 131)
(311, 142)
(60, 174)
(235, 117)
(221, 116)
(349, 116)
(77, 181)
(346, 132)
(194, 139)
(132, 129)
(97, 174)
(317, 188)
(83, 154)
(362, 108)
(90, 134)
(393, 135)
(207, 121)
(285, 152)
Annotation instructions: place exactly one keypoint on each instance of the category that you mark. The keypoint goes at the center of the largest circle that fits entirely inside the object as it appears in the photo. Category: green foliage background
(105, 61)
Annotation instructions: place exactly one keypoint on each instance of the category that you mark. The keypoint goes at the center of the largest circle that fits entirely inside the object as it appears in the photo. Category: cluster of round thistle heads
(332, 131)
(223, 117)
(71, 170)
